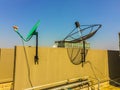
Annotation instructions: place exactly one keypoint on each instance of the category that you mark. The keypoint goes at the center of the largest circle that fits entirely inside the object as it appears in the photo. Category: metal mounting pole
(83, 54)
(119, 43)
(36, 58)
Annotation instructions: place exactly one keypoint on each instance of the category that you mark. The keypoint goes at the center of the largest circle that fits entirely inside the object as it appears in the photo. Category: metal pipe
(71, 85)
(62, 83)
(48, 85)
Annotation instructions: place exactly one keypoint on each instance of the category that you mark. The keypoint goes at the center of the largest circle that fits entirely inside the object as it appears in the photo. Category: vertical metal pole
(119, 43)
(83, 53)
(84, 50)
(36, 56)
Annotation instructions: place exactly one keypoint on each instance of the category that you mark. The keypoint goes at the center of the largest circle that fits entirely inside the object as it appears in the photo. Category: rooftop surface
(104, 86)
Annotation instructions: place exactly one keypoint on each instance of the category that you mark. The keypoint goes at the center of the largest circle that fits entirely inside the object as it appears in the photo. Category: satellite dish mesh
(84, 32)
(76, 55)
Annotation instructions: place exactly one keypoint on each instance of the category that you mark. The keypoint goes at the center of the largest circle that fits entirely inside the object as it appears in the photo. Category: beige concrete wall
(6, 65)
(55, 65)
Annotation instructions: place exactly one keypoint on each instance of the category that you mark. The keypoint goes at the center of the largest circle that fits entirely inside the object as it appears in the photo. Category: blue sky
(57, 19)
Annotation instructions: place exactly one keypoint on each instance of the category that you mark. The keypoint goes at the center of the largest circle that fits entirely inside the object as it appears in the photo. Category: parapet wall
(55, 66)
(6, 65)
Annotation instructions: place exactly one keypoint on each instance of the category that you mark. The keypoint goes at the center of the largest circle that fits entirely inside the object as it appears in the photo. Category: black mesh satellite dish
(84, 32)
(79, 34)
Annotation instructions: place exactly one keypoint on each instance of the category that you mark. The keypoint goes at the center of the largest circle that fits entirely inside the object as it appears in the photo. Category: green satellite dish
(32, 31)
(30, 34)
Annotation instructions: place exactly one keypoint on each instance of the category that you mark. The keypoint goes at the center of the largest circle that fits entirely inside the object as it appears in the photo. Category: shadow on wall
(114, 67)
